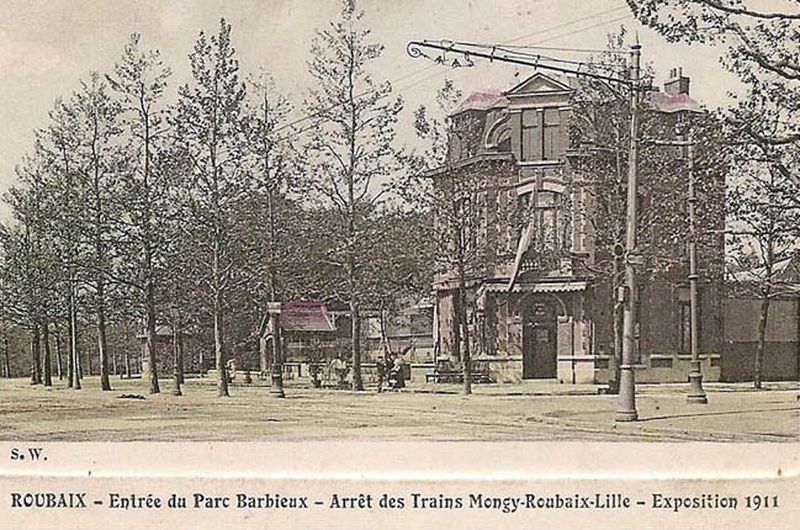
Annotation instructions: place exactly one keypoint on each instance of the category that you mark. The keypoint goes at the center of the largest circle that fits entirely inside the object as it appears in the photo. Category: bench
(446, 372)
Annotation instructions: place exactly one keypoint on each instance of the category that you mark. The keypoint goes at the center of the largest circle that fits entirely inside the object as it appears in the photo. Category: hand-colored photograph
(519, 220)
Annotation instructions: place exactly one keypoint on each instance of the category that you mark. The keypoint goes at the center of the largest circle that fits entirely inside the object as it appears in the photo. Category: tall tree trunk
(36, 361)
(179, 331)
(70, 352)
(464, 324)
(176, 373)
(75, 357)
(59, 357)
(219, 343)
(263, 347)
(463, 321)
(355, 319)
(150, 339)
(616, 324)
(760, 348)
(48, 371)
(102, 342)
(385, 343)
(219, 348)
(114, 370)
(456, 327)
(7, 357)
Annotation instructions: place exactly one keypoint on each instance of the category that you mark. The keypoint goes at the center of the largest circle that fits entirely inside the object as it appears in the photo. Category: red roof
(481, 100)
(674, 102)
(300, 315)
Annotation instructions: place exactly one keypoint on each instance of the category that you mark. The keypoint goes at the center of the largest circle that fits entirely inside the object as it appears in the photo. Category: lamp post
(274, 311)
(696, 392)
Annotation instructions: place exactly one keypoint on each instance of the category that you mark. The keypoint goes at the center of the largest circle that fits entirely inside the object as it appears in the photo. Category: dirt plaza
(535, 411)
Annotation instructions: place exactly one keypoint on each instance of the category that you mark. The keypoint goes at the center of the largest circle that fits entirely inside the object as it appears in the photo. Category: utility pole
(696, 392)
(626, 401)
(274, 311)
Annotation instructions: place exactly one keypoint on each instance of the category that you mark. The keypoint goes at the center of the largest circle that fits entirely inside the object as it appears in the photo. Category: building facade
(532, 212)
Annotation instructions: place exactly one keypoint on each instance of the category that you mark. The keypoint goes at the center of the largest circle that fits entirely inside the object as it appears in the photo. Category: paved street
(538, 410)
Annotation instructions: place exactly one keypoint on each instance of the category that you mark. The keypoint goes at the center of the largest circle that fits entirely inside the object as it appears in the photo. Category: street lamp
(696, 392)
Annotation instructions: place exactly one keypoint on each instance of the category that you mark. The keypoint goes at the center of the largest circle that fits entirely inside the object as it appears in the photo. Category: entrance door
(538, 341)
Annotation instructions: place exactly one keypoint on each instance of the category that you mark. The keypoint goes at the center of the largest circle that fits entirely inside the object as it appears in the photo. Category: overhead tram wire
(592, 26)
(565, 24)
(415, 49)
(294, 134)
(574, 50)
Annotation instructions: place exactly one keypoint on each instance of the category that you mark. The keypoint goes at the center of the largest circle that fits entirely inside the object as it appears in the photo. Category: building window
(541, 134)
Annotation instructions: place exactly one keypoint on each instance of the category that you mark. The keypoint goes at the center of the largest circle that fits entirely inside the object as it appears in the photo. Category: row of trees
(199, 212)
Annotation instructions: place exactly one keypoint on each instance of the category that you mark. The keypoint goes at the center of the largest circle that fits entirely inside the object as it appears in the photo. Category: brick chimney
(677, 82)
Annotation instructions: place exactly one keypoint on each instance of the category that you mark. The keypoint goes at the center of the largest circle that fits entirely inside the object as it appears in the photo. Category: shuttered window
(542, 134)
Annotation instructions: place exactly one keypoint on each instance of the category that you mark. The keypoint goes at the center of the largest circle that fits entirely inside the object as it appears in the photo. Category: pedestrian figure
(380, 367)
(396, 378)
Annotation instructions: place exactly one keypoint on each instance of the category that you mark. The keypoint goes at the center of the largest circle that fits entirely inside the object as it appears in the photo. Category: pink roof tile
(673, 102)
(300, 315)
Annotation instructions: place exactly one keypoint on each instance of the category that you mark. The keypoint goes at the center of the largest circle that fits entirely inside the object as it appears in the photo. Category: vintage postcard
(410, 264)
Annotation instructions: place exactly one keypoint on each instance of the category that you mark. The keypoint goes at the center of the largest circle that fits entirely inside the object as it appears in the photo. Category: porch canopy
(563, 286)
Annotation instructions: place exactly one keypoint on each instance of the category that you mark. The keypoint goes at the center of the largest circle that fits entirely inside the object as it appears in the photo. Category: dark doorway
(538, 340)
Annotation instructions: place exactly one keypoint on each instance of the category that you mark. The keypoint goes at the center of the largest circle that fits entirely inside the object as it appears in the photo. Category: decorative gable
(539, 84)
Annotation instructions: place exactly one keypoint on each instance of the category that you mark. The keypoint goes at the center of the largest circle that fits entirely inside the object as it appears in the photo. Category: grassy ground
(541, 410)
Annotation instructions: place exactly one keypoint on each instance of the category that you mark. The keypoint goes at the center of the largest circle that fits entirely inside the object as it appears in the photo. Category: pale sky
(46, 46)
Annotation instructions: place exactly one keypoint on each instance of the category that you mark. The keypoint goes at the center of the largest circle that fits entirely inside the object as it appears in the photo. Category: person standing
(380, 367)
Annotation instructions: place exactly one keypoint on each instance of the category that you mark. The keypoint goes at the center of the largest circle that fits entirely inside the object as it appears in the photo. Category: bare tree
(352, 158)
(452, 195)
(763, 235)
(208, 125)
(762, 49)
(139, 80)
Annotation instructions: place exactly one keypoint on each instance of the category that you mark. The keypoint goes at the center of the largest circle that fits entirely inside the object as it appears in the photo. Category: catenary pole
(626, 400)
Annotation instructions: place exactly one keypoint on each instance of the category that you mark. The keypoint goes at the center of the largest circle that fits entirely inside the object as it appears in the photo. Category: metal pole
(696, 392)
(274, 310)
(626, 401)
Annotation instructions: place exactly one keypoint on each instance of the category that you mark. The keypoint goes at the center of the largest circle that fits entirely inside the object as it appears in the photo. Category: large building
(531, 206)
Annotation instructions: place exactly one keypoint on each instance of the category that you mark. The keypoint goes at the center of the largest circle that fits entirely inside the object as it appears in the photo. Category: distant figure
(313, 371)
(396, 378)
(380, 367)
(230, 369)
(339, 367)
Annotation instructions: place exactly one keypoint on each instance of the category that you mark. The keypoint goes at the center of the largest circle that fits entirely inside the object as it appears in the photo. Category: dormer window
(542, 134)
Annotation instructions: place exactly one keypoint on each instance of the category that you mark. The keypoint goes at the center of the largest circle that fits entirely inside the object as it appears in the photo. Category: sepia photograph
(409, 221)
